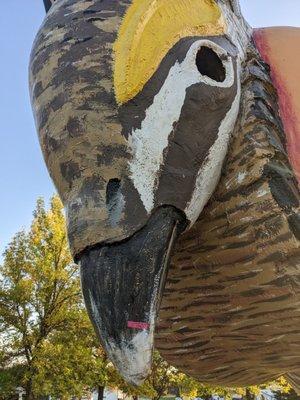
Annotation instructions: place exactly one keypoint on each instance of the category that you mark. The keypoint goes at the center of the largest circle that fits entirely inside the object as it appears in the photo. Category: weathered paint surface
(209, 175)
(113, 165)
(230, 311)
(134, 167)
(279, 47)
(152, 144)
(113, 281)
(150, 29)
(77, 116)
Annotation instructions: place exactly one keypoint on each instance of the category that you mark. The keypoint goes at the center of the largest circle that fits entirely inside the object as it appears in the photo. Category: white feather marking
(133, 359)
(210, 173)
(241, 176)
(149, 142)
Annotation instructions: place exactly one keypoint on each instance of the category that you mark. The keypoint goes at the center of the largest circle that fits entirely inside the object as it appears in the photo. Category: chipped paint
(134, 358)
(238, 29)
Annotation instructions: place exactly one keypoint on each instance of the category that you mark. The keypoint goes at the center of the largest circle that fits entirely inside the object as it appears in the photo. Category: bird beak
(122, 285)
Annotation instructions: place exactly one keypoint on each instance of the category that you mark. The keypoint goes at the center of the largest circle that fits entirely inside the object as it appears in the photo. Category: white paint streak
(133, 359)
(262, 192)
(241, 176)
(209, 175)
(149, 142)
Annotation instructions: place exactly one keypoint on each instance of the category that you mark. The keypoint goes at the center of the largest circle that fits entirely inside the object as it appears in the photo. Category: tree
(186, 386)
(8, 378)
(290, 395)
(48, 345)
(68, 363)
(40, 296)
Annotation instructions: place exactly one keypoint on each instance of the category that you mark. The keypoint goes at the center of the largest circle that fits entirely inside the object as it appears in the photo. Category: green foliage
(165, 379)
(162, 376)
(44, 328)
(8, 378)
(67, 362)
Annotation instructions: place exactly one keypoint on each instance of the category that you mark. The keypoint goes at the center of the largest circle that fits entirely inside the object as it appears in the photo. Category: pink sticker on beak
(138, 325)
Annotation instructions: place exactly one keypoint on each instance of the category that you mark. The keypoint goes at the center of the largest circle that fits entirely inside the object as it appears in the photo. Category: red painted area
(288, 114)
(138, 325)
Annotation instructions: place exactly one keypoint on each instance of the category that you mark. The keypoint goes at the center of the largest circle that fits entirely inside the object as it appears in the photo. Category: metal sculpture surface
(169, 140)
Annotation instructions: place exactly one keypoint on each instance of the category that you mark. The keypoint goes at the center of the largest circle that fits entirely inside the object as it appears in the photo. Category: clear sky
(23, 176)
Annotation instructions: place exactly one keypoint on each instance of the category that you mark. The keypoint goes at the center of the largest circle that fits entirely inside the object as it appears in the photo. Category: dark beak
(122, 285)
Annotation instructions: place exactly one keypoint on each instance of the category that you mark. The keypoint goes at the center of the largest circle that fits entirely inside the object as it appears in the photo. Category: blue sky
(23, 176)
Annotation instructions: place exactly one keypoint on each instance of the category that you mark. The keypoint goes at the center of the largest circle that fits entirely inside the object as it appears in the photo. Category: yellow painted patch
(149, 30)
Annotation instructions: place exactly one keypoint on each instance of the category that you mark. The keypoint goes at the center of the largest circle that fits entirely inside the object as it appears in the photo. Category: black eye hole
(112, 191)
(210, 64)
(114, 201)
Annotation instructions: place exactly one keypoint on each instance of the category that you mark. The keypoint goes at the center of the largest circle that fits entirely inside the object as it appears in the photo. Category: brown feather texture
(230, 313)
(75, 110)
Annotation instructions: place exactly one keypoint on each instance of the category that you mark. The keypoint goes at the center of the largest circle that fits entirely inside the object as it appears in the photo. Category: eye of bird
(210, 64)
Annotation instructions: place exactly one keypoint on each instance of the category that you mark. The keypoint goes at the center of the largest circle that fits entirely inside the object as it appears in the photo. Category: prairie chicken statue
(171, 130)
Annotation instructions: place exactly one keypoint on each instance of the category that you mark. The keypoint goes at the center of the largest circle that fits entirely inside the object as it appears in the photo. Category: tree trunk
(249, 395)
(101, 392)
(28, 389)
(135, 397)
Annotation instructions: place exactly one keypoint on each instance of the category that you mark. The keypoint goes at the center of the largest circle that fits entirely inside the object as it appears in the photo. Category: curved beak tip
(122, 284)
(133, 360)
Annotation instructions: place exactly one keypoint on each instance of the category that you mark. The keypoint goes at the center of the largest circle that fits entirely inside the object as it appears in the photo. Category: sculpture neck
(234, 261)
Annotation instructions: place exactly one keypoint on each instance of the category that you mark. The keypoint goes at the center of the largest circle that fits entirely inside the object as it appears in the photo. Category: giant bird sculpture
(171, 130)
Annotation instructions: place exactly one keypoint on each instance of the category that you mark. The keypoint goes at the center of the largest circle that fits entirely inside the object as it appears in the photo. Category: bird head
(135, 102)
